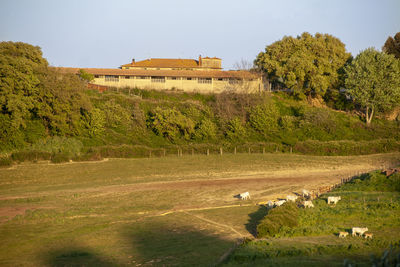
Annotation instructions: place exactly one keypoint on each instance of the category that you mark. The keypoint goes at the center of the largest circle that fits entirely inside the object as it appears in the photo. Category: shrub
(264, 118)
(235, 130)
(170, 123)
(278, 218)
(30, 155)
(5, 161)
(206, 130)
(60, 157)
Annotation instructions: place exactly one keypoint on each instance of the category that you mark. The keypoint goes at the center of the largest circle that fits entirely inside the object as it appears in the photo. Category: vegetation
(115, 212)
(373, 81)
(371, 200)
(392, 45)
(306, 64)
(41, 108)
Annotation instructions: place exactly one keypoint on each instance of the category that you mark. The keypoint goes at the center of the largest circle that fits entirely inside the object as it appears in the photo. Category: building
(205, 63)
(204, 75)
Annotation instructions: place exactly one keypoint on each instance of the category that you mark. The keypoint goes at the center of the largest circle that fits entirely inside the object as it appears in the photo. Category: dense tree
(308, 64)
(392, 45)
(35, 99)
(373, 81)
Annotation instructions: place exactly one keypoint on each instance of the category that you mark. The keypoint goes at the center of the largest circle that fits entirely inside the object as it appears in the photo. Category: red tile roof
(164, 73)
(165, 63)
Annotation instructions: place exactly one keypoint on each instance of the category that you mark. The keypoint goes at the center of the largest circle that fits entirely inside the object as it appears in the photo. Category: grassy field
(150, 212)
(370, 200)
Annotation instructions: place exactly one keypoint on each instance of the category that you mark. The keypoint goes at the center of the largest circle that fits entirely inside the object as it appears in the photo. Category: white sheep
(358, 231)
(308, 204)
(333, 200)
(291, 198)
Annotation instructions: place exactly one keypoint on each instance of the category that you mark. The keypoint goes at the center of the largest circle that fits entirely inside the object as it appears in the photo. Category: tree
(373, 81)
(86, 76)
(308, 65)
(392, 45)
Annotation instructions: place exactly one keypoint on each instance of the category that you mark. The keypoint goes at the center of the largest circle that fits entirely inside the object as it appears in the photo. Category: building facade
(204, 75)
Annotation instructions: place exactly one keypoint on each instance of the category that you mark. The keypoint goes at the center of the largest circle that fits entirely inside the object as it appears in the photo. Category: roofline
(165, 73)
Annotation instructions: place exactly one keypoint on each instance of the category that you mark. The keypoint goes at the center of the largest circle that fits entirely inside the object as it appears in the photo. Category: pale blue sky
(79, 33)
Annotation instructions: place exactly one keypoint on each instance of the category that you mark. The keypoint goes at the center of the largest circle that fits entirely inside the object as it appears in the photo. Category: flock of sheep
(307, 203)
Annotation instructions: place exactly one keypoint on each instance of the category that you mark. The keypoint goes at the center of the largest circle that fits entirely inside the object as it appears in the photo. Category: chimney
(199, 60)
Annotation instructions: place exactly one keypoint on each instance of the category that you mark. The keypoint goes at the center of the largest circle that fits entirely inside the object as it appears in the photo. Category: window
(204, 80)
(112, 78)
(155, 79)
(143, 77)
(96, 76)
(173, 78)
(220, 79)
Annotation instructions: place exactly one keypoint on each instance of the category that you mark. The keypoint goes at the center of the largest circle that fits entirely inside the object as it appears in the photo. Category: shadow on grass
(166, 244)
(255, 218)
(77, 256)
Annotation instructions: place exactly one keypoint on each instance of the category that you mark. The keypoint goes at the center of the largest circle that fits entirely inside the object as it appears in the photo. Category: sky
(107, 34)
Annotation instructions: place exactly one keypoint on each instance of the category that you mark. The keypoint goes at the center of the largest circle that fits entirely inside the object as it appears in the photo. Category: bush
(60, 157)
(30, 155)
(374, 181)
(278, 218)
(171, 124)
(5, 162)
(235, 132)
(264, 118)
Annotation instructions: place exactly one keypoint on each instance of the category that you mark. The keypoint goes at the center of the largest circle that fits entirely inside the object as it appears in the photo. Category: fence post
(249, 150)
(220, 151)
(164, 151)
(263, 150)
(276, 149)
(208, 152)
(291, 149)
(234, 151)
(150, 154)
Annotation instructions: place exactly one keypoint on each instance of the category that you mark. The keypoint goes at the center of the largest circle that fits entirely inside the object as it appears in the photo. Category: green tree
(392, 45)
(84, 75)
(264, 118)
(19, 63)
(235, 131)
(308, 65)
(373, 81)
(171, 124)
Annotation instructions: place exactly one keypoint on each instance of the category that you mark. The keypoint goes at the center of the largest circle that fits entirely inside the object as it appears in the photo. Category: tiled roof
(164, 73)
(165, 63)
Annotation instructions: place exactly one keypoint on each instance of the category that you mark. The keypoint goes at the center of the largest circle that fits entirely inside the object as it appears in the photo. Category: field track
(182, 199)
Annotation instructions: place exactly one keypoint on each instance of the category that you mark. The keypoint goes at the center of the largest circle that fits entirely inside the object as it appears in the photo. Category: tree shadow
(166, 244)
(77, 256)
(255, 218)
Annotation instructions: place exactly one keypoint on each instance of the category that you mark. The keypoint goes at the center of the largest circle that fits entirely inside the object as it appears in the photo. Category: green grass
(371, 200)
(109, 212)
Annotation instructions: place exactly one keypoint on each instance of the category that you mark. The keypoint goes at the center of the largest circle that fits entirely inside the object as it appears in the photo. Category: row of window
(115, 78)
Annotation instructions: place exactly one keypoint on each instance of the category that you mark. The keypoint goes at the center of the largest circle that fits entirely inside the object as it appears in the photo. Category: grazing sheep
(291, 198)
(270, 204)
(280, 202)
(343, 234)
(306, 193)
(368, 235)
(308, 204)
(358, 231)
(245, 195)
(333, 200)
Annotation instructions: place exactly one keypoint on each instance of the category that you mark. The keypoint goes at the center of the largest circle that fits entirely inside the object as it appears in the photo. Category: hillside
(48, 115)
(371, 200)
